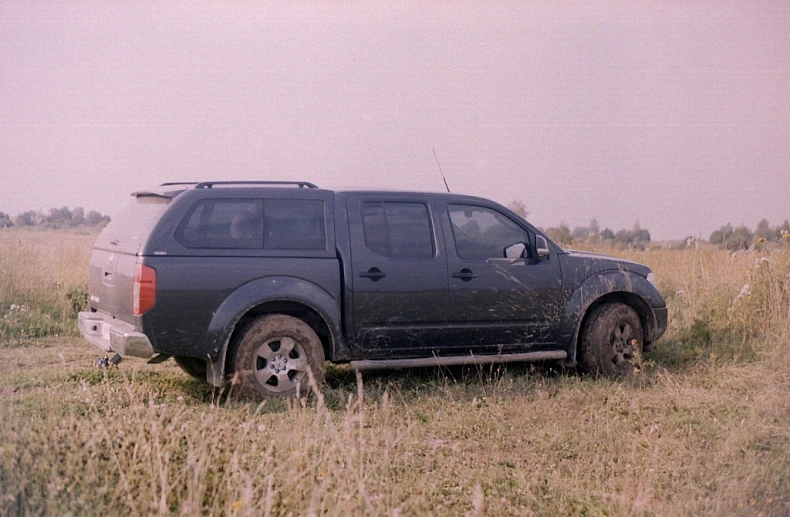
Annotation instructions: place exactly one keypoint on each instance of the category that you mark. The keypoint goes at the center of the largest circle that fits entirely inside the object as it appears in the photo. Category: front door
(498, 303)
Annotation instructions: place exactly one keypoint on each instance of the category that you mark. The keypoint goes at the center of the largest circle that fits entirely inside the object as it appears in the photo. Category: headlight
(651, 277)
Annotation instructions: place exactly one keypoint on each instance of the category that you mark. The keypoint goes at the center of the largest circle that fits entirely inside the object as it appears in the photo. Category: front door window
(481, 233)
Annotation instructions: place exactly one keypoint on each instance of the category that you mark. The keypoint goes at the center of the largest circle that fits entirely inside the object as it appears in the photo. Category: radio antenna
(440, 170)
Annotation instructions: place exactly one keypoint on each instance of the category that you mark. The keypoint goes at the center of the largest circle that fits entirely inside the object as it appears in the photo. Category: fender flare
(623, 286)
(254, 293)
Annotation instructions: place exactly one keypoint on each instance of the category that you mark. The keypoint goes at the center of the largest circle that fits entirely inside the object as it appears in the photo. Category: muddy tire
(271, 356)
(611, 339)
(192, 366)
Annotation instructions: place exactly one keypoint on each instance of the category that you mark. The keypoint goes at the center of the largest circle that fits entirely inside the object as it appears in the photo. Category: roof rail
(210, 184)
(174, 183)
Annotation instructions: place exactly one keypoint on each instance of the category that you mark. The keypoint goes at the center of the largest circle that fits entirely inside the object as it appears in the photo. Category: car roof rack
(211, 184)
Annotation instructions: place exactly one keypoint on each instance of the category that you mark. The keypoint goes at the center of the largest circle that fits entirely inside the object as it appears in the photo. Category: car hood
(594, 263)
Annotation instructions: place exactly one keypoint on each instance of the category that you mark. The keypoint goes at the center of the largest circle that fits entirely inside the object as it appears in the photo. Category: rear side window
(294, 224)
(223, 224)
(398, 230)
(273, 224)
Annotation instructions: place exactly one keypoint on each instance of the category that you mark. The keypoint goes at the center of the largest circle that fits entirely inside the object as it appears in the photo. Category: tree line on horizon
(636, 237)
(56, 218)
(727, 237)
(743, 238)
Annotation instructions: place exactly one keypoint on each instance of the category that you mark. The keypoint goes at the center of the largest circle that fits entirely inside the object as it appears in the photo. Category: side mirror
(516, 251)
(543, 247)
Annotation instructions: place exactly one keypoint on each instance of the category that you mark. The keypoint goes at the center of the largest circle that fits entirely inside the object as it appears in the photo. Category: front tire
(611, 339)
(272, 355)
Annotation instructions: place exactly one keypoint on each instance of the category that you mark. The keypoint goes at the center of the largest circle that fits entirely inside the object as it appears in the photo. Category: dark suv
(264, 281)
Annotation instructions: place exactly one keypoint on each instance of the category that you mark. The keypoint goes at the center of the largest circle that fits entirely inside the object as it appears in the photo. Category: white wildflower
(746, 290)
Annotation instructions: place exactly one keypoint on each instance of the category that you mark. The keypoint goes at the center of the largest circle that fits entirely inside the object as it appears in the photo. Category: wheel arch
(610, 287)
(636, 302)
(273, 295)
(295, 309)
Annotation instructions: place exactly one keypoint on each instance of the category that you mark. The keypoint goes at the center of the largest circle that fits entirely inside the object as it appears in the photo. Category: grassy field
(704, 428)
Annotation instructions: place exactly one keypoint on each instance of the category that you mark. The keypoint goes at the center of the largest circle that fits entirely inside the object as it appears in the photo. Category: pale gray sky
(673, 113)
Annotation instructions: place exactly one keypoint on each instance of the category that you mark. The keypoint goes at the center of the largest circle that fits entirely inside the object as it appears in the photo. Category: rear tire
(610, 341)
(272, 355)
(193, 366)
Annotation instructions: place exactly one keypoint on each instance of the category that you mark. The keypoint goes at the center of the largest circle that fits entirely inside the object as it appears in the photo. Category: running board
(381, 364)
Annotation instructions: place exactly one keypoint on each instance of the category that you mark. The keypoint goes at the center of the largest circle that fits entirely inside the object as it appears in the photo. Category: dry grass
(44, 281)
(703, 430)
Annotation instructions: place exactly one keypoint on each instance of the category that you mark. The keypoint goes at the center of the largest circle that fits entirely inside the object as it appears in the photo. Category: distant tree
(26, 219)
(636, 236)
(93, 218)
(56, 218)
(595, 228)
(519, 208)
(639, 234)
(741, 238)
(78, 216)
(59, 217)
(580, 234)
(764, 231)
(721, 235)
(623, 237)
(561, 234)
(5, 220)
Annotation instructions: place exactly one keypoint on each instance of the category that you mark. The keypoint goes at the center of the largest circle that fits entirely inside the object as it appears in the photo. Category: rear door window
(398, 230)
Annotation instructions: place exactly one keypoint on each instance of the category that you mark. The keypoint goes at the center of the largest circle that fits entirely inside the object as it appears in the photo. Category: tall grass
(44, 282)
(704, 429)
(732, 305)
(147, 440)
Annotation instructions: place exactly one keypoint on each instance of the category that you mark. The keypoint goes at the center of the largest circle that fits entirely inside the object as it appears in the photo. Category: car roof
(172, 189)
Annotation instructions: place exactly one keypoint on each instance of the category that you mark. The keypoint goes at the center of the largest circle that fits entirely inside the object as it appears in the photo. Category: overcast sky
(673, 113)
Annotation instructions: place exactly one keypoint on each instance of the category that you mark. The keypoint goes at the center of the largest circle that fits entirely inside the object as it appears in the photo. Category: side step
(381, 364)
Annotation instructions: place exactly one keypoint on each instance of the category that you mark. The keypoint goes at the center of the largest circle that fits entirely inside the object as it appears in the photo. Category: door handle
(373, 273)
(465, 274)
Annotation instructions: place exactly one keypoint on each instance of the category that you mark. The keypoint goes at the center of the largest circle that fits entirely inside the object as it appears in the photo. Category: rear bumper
(112, 335)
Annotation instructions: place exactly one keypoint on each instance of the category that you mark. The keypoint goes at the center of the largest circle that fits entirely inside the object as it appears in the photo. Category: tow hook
(106, 362)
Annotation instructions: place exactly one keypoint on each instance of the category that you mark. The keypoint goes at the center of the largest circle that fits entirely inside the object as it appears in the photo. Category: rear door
(399, 274)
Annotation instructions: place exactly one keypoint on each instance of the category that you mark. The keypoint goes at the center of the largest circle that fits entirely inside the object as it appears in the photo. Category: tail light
(144, 288)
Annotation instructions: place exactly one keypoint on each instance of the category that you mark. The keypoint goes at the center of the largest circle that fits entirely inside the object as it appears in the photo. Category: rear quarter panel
(198, 297)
